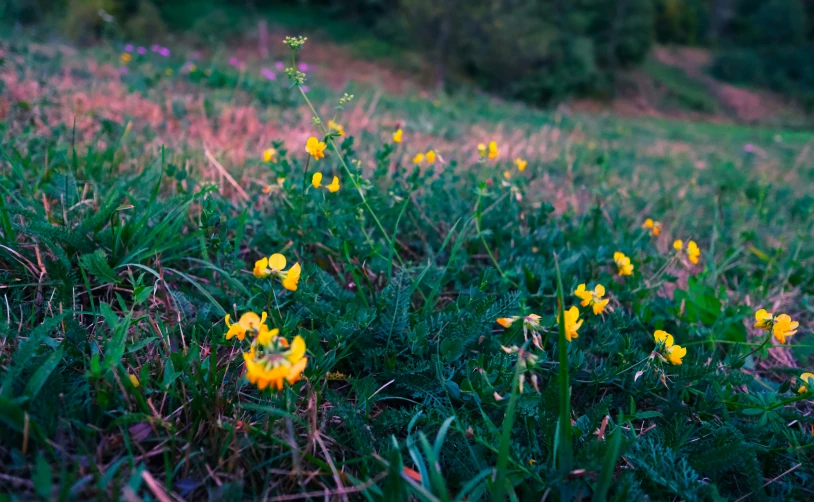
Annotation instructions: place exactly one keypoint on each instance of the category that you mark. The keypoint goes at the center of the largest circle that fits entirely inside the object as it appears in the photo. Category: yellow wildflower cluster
(693, 251)
(397, 136)
(592, 298)
(521, 164)
(781, 326)
(316, 182)
(270, 361)
(491, 151)
(623, 263)
(315, 148)
(429, 156)
(653, 226)
(669, 350)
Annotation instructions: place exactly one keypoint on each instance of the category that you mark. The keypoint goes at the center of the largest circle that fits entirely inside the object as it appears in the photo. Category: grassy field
(139, 191)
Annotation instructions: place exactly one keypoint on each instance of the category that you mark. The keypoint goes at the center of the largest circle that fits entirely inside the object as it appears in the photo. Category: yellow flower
(784, 327)
(431, 156)
(315, 147)
(292, 277)
(521, 164)
(693, 252)
(316, 180)
(493, 151)
(592, 298)
(397, 136)
(126, 58)
(267, 189)
(806, 378)
(168, 71)
(419, 158)
(481, 149)
(572, 323)
(249, 323)
(270, 155)
(334, 186)
(763, 320)
(674, 352)
(678, 244)
(654, 226)
(134, 379)
(275, 265)
(507, 174)
(336, 127)
(623, 263)
(272, 361)
(272, 265)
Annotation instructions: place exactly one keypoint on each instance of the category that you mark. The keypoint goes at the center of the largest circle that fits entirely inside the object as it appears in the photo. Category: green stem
(565, 453)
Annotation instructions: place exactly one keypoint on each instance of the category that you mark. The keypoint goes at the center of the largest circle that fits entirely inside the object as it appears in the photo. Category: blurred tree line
(536, 50)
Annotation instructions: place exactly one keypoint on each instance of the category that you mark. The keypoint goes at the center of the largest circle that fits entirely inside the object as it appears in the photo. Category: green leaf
(40, 376)
(42, 478)
(608, 466)
(95, 264)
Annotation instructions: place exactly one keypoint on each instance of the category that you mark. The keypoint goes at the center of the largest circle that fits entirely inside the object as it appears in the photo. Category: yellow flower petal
(664, 337)
(506, 322)
(277, 262)
(261, 268)
(297, 350)
(292, 278)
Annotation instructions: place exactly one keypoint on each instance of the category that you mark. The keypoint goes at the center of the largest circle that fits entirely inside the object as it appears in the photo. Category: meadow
(473, 300)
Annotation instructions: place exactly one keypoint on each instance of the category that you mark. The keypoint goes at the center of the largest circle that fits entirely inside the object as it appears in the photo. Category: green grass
(123, 246)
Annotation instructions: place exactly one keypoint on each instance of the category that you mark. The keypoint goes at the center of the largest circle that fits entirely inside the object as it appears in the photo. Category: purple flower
(302, 67)
(305, 88)
(279, 65)
(164, 52)
(128, 48)
(233, 61)
(122, 70)
(142, 50)
(269, 74)
(155, 47)
(748, 148)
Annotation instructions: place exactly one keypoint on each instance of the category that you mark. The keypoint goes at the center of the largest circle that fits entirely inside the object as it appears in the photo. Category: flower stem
(349, 173)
